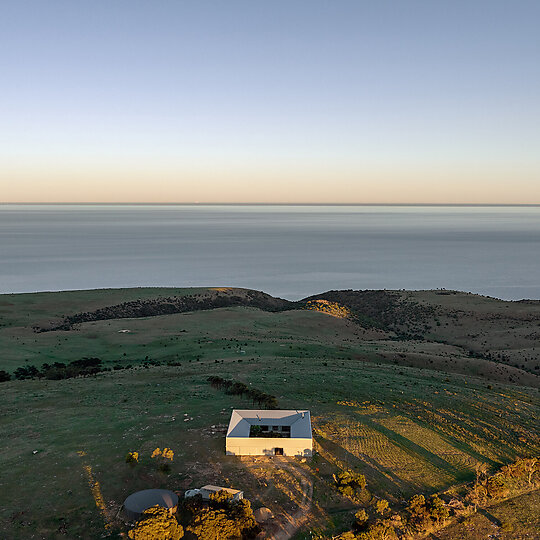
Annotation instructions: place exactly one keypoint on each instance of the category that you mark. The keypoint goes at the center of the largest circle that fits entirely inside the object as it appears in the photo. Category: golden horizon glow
(215, 185)
(363, 102)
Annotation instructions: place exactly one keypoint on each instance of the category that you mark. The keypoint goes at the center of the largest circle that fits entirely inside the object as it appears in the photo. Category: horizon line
(94, 203)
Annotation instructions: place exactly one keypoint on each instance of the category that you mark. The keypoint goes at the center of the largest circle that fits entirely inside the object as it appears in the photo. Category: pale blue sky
(277, 101)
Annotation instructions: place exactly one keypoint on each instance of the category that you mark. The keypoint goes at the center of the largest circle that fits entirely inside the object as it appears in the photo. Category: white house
(269, 433)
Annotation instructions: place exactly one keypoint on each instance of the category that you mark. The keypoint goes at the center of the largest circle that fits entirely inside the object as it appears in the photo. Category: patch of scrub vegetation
(222, 517)
(331, 308)
(422, 516)
(58, 370)
(235, 388)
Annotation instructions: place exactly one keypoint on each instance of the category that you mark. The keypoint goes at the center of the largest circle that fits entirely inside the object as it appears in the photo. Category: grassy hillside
(413, 415)
(507, 332)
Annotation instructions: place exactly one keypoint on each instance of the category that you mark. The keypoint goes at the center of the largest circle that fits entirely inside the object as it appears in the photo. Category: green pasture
(408, 429)
(400, 428)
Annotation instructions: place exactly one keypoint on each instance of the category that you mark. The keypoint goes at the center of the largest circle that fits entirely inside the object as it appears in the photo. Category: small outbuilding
(269, 433)
(206, 491)
(138, 502)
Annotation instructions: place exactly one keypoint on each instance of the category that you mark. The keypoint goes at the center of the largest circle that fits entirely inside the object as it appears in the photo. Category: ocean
(288, 251)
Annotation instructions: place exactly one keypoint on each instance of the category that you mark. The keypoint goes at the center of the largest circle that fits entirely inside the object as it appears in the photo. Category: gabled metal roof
(243, 419)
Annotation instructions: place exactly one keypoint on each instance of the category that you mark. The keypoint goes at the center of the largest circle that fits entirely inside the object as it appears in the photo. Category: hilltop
(441, 330)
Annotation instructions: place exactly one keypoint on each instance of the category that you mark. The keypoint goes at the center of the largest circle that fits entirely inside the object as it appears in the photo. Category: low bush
(221, 518)
(156, 523)
(58, 370)
(236, 388)
(349, 483)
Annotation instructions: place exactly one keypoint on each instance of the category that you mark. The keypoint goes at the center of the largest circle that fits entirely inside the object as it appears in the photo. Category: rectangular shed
(206, 491)
(269, 433)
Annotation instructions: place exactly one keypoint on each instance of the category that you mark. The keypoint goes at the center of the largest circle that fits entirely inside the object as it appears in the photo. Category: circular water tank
(140, 501)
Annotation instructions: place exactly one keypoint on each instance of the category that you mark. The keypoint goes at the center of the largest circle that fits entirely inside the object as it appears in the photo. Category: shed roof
(243, 419)
(210, 487)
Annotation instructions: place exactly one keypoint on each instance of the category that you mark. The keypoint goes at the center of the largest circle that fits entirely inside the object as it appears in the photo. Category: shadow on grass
(457, 443)
(489, 516)
(412, 448)
(384, 478)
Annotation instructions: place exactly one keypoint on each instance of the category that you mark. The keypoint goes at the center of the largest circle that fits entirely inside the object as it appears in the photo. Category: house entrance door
(278, 451)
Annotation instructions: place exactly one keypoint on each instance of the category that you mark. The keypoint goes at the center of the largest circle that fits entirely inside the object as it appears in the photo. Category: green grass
(408, 429)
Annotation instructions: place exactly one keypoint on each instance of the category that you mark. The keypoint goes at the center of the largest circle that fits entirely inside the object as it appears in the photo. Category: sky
(283, 101)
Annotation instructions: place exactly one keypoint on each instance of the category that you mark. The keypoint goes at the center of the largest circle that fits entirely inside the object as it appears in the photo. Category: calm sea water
(289, 251)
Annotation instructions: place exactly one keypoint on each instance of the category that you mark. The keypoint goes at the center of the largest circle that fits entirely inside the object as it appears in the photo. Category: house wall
(265, 446)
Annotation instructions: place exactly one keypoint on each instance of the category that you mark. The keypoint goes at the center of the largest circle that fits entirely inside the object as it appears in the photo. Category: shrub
(437, 509)
(496, 487)
(59, 370)
(4, 376)
(236, 388)
(346, 536)
(132, 458)
(221, 499)
(256, 431)
(235, 521)
(164, 468)
(26, 372)
(361, 518)
(162, 456)
(418, 512)
(157, 522)
(378, 531)
(166, 453)
(213, 525)
(381, 506)
(193, 504)
(349, 483)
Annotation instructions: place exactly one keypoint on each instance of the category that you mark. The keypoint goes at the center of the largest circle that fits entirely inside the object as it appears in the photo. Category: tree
(349, 482)
(132, 458)
(243, 514)
(4, 376)
(437, 509)
(162, 456)
(346, 536)
(224, 519)
(381, 506)
(496, 487)
(480, 473)
(378, 531)
(478, 495)
(157, 523)
(361, 518)
(531, 466)
(418, 512)
(221, 499)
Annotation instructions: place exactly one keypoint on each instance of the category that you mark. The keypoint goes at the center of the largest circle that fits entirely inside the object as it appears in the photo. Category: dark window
(278, 451)
(275, 428)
